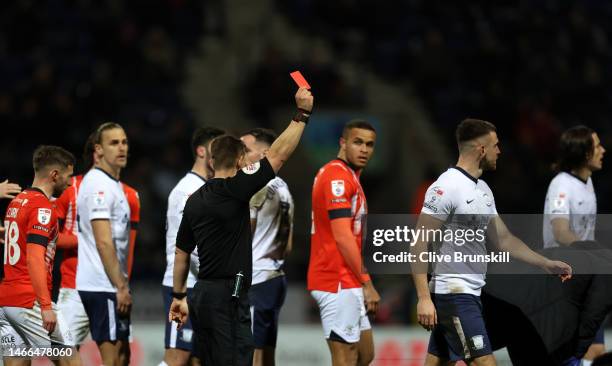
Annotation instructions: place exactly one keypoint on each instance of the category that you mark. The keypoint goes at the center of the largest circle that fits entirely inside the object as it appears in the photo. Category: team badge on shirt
(337, 187)
(251, 168)
(431, 198)
(44, 216)
(559, 201)
(99, 198)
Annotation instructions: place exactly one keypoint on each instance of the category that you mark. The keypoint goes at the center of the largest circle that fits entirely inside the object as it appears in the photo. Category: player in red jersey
(69, 301)
(335, 278)
(27, 315)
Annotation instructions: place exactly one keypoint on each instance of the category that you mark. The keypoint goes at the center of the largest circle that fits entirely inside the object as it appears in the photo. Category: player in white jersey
(450, 304)
(103, 236)
(570, 208)
(178, 342)
(272, 223)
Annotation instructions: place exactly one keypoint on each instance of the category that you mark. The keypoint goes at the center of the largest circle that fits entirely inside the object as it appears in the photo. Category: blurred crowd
(533, 68)
(67, 66)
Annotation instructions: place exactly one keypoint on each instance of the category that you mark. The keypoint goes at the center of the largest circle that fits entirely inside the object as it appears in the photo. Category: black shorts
(221, 324)
(267, 298)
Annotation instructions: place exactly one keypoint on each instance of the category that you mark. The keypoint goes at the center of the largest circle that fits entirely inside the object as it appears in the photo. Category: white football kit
(190, 183)
(569, 197)
(462, 202)
(100, 197)
(273, 209)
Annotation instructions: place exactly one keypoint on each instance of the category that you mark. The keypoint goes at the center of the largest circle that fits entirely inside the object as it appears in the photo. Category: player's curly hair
(47, 155)
(575, 148)
(88, 151)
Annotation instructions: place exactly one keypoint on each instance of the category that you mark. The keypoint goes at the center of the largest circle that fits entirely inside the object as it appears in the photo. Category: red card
(299, 79)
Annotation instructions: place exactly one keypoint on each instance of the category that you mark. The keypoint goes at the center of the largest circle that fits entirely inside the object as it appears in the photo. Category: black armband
(301, 115)
(179, 295)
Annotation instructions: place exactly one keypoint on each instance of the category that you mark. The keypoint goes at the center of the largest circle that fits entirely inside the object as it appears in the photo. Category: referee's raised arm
(285, 144)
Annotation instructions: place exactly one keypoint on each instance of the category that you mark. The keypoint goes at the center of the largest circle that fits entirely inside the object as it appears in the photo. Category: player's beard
(58, 189)
(487, 165)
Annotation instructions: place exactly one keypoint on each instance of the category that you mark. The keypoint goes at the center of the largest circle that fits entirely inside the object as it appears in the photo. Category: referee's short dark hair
(47, 155)
(575, 148)
(226, 150)
(357, 123)
(262, 135)
(470, 129)
(202, 136)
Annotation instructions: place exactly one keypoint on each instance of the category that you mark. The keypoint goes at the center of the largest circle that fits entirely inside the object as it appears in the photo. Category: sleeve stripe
(133, 225)
(37, 239)
(339, 213)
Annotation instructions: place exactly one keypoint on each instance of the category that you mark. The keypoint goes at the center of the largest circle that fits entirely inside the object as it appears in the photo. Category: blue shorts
(104, 321)
(176, 338)
(460, 333)
(266, 299)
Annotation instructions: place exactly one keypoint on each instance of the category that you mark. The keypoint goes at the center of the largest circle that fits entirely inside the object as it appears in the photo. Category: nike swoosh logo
(469, 201)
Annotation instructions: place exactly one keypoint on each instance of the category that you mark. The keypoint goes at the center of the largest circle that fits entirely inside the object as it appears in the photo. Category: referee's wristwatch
(179, 295)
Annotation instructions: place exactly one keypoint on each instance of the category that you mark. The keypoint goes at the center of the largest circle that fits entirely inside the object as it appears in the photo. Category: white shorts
(70, 305)
(343, 313)
(23, 326)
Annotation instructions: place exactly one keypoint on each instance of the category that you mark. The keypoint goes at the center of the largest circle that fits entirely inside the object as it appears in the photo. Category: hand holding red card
(300, 80)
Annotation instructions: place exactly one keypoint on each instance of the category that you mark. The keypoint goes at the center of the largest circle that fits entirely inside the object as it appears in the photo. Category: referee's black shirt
(216, 220)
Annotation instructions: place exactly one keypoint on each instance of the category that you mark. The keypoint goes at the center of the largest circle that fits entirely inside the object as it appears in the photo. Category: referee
(216, 220)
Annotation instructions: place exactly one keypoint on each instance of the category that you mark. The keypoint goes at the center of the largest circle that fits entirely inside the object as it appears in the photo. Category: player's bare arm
(345, 240)
(506, 241)
(285, 144)
(66, 241)
(38, 276)
(106, 248)
(179, 310)
(562, 232)
(426, 311)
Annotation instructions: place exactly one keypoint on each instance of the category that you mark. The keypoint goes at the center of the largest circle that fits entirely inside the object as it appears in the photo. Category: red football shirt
(134, 201)
(30, 218)
(67, 211)
(336, 193)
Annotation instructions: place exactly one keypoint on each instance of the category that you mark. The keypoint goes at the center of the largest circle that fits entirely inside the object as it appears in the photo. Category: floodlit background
(413, 68)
